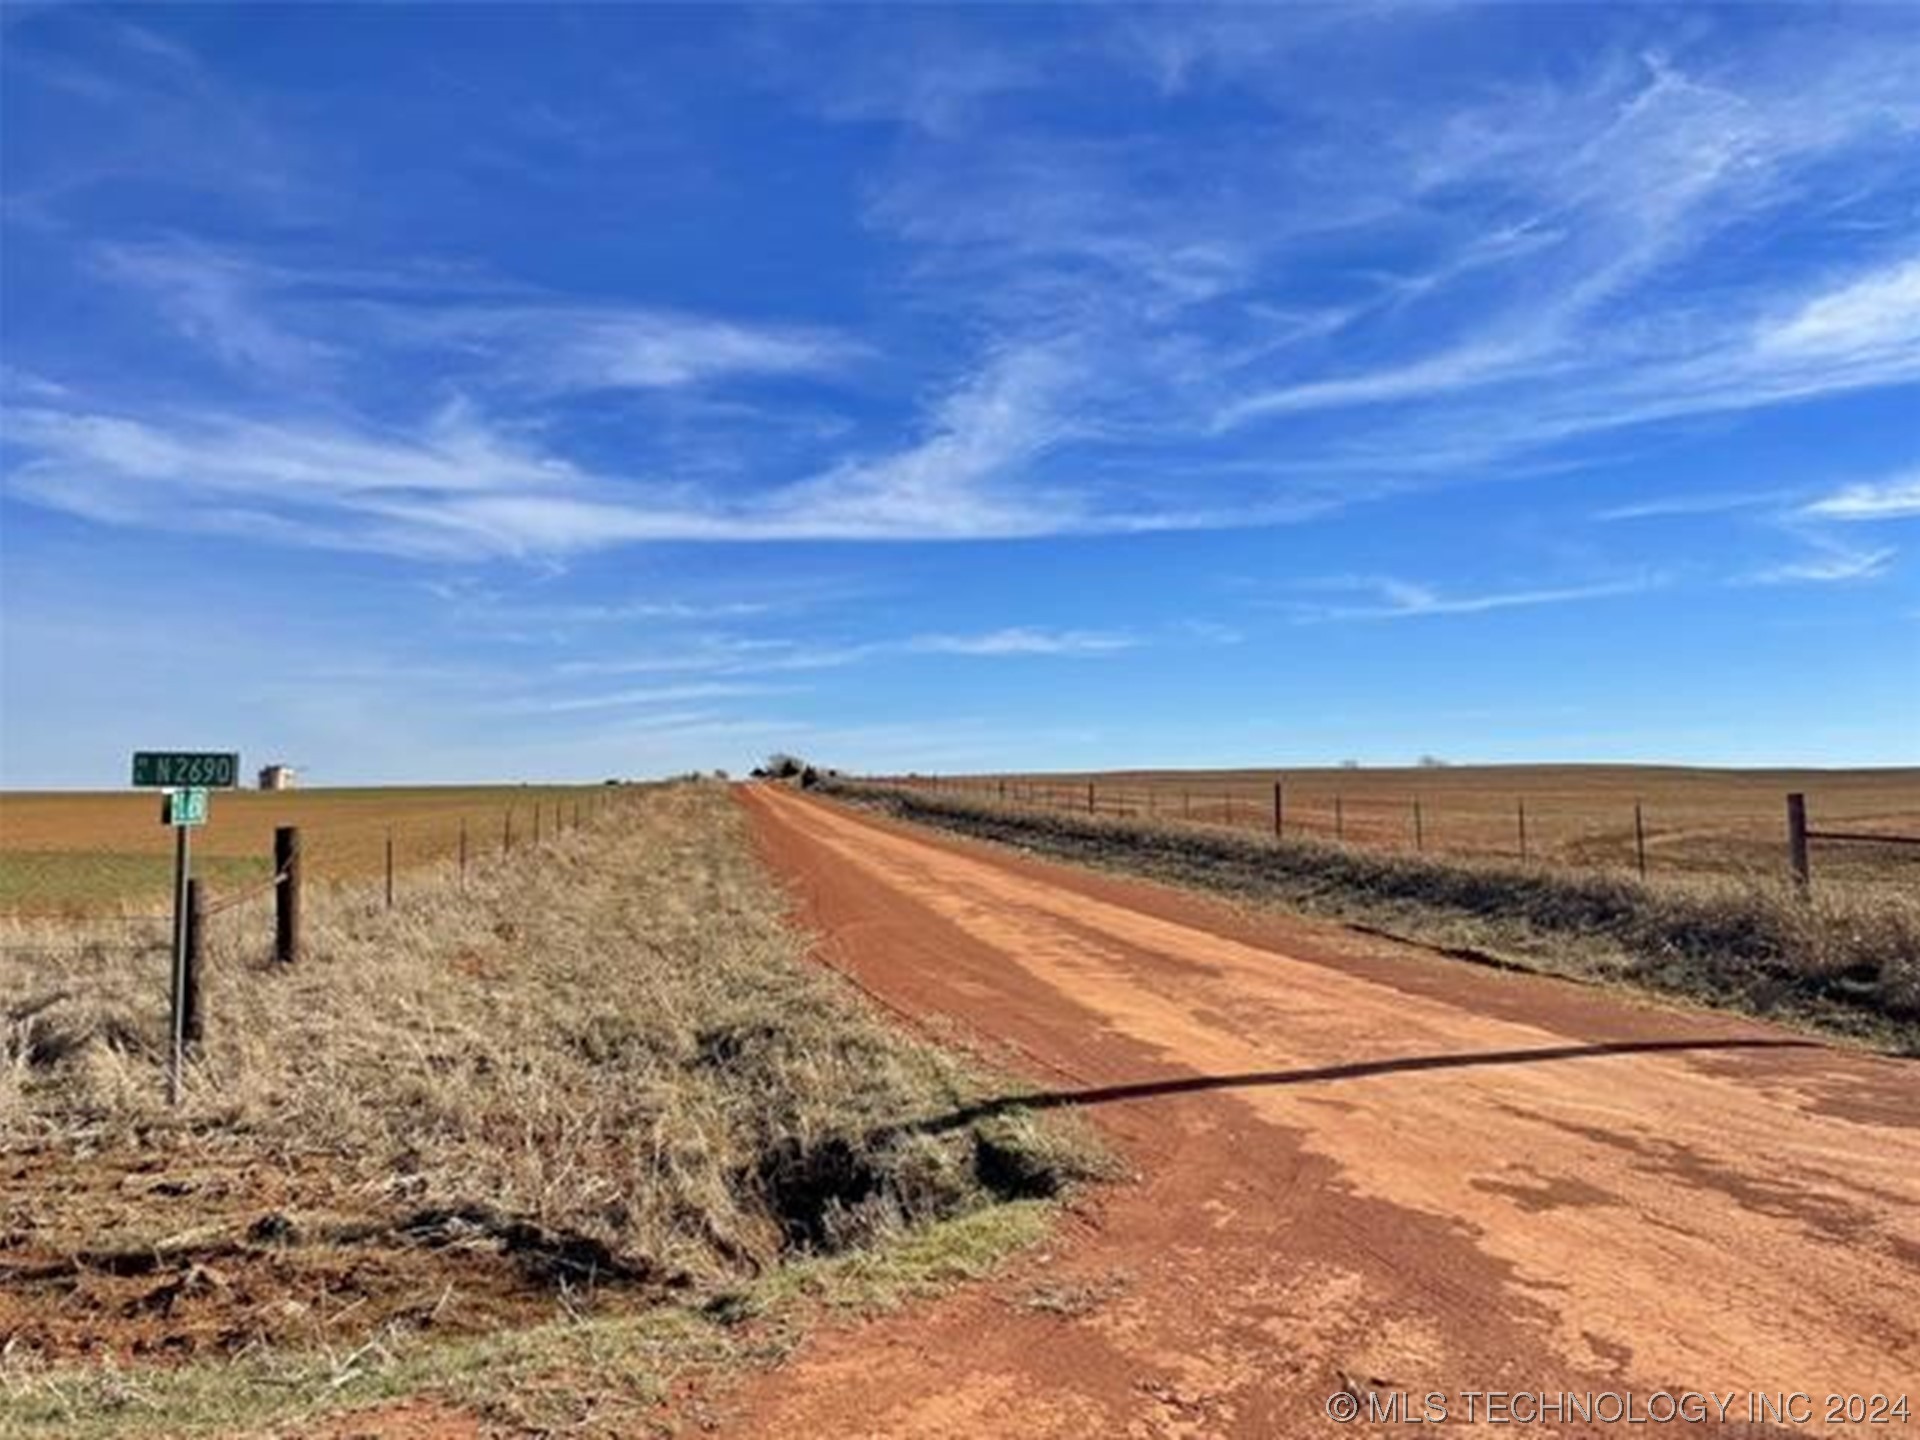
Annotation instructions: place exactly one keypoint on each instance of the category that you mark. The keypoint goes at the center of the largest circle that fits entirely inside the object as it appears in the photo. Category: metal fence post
(1339, 820)
(1419, 827)
(389, 867)
(463, 853)
(286, 894)
(1797, 857)
(1521, 812)
(1639, 840)
(1279, 813)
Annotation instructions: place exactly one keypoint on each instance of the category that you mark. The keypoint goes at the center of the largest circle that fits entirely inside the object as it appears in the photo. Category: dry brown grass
(1698, 822)
(1848, 962)
(596, 1077)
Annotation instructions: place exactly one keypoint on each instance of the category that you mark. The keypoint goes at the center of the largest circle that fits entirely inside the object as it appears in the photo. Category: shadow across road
(1327, 1074)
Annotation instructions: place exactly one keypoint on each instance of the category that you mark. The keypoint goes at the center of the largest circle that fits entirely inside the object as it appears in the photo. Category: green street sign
(185, 807)
(186, 767)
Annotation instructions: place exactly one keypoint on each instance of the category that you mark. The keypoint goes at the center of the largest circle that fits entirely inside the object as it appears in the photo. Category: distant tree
(721, 775)
(782, 766)
(1433, 762)
(1349, 764)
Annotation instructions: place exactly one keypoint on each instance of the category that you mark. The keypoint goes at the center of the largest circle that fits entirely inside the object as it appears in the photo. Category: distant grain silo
(277, 777)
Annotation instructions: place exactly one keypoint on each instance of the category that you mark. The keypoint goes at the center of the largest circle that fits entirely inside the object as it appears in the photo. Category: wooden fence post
(1279, 813)
(389, 867)
(190, 1024)
(1339, 820)
(1522, 814)
(506, 833)
(536, 822)
(286, 894)
(463, 852)
(1639, 840)
(1797, 857)
(1090, 797)
(1419, 827)
(1186, 805)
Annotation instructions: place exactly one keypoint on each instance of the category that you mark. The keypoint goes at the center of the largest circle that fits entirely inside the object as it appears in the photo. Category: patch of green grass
(590, 1376)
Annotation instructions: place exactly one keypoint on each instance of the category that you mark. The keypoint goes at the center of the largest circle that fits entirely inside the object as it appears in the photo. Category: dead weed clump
(1847, 963)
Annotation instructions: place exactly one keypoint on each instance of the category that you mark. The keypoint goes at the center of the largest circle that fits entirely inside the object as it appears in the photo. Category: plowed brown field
(98, 852)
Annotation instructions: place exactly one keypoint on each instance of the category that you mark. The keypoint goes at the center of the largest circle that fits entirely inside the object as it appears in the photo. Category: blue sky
(448, 393)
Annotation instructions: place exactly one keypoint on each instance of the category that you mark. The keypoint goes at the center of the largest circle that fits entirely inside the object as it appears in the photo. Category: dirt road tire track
(1360, 1165)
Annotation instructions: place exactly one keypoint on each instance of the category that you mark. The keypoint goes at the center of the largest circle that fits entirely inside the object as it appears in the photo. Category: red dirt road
(1361, 1166)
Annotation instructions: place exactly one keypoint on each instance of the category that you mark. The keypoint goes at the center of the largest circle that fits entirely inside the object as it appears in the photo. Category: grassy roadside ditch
(533, 1147)
(1844, 965)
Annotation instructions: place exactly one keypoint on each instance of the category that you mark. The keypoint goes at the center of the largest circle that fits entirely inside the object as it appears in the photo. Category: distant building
(277, 777)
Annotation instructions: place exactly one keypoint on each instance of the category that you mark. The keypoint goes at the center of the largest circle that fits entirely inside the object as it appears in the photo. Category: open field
(576, 1113)
(92, 851)
(1369, 1172)
(1696, 821)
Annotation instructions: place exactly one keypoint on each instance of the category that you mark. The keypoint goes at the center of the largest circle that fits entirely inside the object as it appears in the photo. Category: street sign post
(218, 770)
(186, 775)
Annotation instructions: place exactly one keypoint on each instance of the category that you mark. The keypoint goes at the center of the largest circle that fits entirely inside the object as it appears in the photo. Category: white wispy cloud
(1402, 599)
(1873, 318)
(1023, 640)
(746, 655)
(17, 385)
(1448, 372)
(636, 697)
(1621, 180)
(1827, 566)
(459, 485)
(173, 122)
(1703, 503)
(474, 602)
(953, 481)
(552, 348)
(212, 299)
(1894, 499)
(285, 319)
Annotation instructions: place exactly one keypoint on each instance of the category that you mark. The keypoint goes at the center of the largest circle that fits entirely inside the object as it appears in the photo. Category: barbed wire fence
(1411, 821)
(421, 852)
